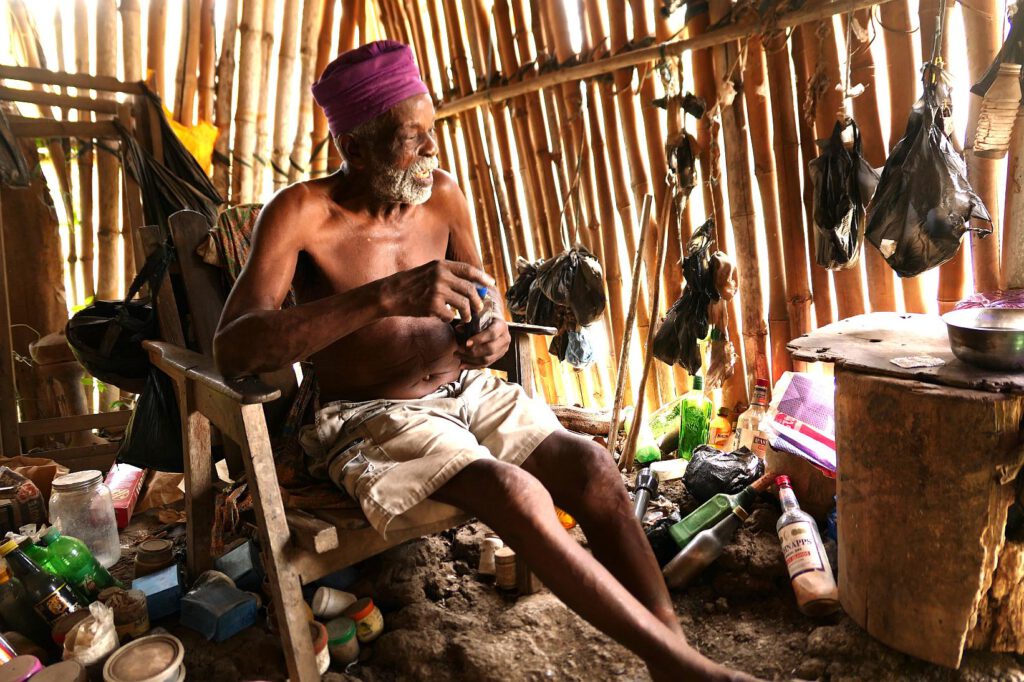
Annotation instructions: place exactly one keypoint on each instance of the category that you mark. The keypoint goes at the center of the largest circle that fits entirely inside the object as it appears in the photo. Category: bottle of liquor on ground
(76, 564)
(694, 419)
(51, 597)
(809, 569)
(748, 426)
(714, 510)
(702, 552)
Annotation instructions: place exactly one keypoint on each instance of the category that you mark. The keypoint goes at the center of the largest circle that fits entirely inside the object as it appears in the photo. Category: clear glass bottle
(809, 569)
(81, 507)
(702, 552)
(748, 426)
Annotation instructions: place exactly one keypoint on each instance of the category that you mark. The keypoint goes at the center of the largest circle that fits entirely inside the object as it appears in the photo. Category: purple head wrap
(365, 82)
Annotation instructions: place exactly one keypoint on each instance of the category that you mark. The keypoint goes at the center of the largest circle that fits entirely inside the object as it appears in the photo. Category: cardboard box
(125, 483)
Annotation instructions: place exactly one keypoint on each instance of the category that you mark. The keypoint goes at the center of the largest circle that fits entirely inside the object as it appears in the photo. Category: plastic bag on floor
(843, 185)
(923, 203)
(712, 471)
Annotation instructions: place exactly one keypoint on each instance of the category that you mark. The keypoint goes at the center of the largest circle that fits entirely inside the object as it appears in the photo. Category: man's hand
(436, 289)
(486, 347)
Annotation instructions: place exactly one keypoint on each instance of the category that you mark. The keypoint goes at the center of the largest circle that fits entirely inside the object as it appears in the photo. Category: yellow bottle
(567, 521)
(720, 431)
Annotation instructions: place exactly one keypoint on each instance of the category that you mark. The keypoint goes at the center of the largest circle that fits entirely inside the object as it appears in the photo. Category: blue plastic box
(218, 611)
(163, 591)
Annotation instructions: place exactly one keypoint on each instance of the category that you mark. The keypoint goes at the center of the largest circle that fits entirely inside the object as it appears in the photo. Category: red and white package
(125, 482)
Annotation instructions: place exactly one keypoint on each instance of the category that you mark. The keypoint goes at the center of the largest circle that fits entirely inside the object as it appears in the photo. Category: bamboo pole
(321, 136)
(903, 77)
(755, 92)
(188, 64)
(86, 157)
(222, 103)
(881, 285)
(244, 145)
(821, 280)
(983, 22)
(787, 163)
(354, 16)
(822, 59)
(298, 161)
(1013, 239)
(261, 154)
(207, 59)
(108, 281)
(131, 32)
(284, 120)
(155, 54)
(63, 97)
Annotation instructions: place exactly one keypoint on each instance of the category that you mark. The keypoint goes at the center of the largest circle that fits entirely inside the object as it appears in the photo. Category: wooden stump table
(928, 464)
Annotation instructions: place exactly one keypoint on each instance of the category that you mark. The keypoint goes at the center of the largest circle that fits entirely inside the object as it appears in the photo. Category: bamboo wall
(564, 164)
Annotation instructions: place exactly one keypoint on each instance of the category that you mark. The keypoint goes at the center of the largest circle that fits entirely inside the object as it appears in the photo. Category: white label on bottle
(800, 549)
(755, 440)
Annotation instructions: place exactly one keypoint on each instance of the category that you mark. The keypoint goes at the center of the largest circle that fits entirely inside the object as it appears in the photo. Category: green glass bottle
(694, 419)
(51, 596)
(76, 564)
(713, 511)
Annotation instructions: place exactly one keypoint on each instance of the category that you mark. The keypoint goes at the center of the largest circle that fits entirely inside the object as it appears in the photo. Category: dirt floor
(446, 622)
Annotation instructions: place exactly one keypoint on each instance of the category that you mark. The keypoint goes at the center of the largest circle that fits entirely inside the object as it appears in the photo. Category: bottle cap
(481, 290)
(361, 609)
(762, 382)
(8, 547)
(781, 481)
(340, 630)
(698, 382)
(51, 534)
(740, 512)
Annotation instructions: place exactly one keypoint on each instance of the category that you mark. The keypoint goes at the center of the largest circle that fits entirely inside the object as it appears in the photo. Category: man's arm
(255, 335)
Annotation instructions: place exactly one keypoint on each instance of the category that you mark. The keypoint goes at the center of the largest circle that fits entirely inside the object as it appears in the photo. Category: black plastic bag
(153, 437)
(923, 203)
(573, 279)
(712, 471)
(843, 185)
(519, 291)
(687, 320)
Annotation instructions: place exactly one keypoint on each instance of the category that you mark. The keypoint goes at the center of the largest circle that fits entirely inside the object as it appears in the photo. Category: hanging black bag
(153, 437)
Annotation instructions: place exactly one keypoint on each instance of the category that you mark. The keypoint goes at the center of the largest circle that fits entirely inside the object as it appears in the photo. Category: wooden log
(155, 54)
(321, 136)
(983, 23)
(86, 157)
(298, 160)
(188, 64)
(311, 533)
(249, 70)
(787, 163)
(22, 126)
(1000, 620)
(87, 105)
(207, 60)
(108, 284)
(223, 100)
(755, 93)
(881, 286)
(41, 76)
(262, 151)
(284, 122)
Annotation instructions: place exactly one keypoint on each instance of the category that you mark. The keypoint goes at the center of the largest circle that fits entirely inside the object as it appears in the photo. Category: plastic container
(156, 658)
(20, 669)
(342, 641)
(318, 633)
(368, 618)
(505, 568)
(81, 507)
(330, 603)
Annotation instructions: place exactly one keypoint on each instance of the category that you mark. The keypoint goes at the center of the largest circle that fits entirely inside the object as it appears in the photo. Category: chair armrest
(535, 329)
(181, 364)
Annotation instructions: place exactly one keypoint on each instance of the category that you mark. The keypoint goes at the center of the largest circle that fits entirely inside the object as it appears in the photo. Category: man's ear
(351, 150)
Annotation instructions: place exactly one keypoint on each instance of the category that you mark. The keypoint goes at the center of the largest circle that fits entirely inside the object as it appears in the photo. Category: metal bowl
(992, 338)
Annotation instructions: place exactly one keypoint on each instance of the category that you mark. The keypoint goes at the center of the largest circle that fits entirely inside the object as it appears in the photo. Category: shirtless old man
(381, 258)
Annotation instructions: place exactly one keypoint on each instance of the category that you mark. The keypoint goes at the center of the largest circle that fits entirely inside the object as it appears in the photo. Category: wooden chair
(297, 548)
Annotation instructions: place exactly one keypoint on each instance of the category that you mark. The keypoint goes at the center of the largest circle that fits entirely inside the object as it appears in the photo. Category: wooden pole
(131, 31)
(261, 154)
(983, 21)
(244, 146)
(10, 443)
(298, 161)
(881, 285)
(903, 78)
(207, 59)
(353, 15)
(1013, 239)
(155, 54)
(222, 103)
(321, 137)
(284, 121)
(188, 64)
(108, 281)
(755, 92)
(787, 163)
(86, 157)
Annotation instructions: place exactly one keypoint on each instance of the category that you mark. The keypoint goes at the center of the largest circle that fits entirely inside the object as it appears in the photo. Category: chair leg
(199, 492)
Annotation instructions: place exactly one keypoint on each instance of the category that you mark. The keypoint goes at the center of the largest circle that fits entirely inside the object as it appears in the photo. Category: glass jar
(81, 507)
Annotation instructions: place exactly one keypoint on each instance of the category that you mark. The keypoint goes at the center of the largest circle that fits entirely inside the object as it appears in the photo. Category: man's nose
(429, 147)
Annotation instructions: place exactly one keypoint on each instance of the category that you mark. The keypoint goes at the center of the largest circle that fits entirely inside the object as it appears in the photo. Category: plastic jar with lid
(81, 507)
(342, 641)
(368, 618)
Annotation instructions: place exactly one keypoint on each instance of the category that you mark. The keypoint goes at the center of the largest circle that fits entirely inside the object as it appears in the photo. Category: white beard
(399, 186)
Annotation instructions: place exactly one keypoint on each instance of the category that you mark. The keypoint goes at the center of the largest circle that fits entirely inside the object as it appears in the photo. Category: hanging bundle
(924, 203)
(843, 185)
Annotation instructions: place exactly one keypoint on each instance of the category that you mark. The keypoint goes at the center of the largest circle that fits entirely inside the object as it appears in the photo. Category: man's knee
(511, 491)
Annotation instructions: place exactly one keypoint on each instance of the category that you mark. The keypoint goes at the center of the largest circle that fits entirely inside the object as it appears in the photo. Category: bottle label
(800, 549)
(57, 604)
(755, 440)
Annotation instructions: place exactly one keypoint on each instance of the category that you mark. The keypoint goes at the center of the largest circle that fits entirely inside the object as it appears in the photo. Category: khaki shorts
(391, 455)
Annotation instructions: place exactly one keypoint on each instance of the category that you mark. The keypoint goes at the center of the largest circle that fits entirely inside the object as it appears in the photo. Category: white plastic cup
(330, 603)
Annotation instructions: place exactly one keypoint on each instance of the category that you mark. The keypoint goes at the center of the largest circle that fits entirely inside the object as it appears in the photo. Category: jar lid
(148, 659)
(8, 547)
(340, 630)
(79, 480)
(20, 668)
(361, 609)
(155, 550)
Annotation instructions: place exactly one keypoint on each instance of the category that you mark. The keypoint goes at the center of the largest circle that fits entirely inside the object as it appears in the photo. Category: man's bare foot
(694, 667)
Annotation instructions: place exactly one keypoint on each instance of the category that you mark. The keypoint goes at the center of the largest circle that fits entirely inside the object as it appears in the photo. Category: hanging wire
(876, 16)
(940, 25)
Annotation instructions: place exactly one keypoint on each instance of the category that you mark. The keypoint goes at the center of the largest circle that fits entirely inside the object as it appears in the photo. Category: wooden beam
(23, 126)
(53, 99)
(81, 422)
(82, 81)
(310, 533)
(10, 444)
(672, 48)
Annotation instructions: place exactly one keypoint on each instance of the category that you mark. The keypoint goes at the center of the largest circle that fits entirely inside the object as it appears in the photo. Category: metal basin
(987, 337)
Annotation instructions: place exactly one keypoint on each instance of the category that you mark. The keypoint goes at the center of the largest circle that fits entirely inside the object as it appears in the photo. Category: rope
(940, 26)
(876, 16)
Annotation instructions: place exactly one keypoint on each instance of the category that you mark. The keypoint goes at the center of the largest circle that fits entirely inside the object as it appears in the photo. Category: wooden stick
(634, 298)
(86, 158)
(284, 121)
(249, 71)
(262, 152)
(155, 54)
(207, 60)
(188, 64)
(321, 137)
(131, 31)
(85, 81)
(109, 279)
(222, 103)
(298, 160)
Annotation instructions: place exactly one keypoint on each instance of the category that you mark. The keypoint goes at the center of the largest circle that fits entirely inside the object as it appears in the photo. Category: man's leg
(518, 507)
